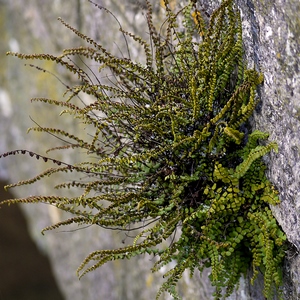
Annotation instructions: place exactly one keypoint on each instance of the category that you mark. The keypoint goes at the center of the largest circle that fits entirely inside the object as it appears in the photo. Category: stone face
(275, 36)
(271, 31)
(278, 58)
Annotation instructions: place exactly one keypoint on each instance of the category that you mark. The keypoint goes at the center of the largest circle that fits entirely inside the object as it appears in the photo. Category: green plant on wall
(174, 151)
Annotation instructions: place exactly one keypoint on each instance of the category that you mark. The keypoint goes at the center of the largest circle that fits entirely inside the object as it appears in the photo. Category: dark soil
(25, 273)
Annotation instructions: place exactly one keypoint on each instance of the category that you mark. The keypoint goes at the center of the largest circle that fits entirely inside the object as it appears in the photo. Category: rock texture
(272, 45)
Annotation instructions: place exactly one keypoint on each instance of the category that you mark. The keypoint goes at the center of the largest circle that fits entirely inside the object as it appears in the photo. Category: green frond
(254, 154)
(56, 131)
(165, 148)
(77, 220)
(37, 199)
(46, 173)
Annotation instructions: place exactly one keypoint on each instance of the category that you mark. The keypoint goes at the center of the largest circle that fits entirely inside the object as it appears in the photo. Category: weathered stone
(275, 48)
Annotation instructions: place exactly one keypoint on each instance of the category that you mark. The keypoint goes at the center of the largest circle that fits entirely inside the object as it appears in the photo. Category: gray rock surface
(274, 48)
(272, 45)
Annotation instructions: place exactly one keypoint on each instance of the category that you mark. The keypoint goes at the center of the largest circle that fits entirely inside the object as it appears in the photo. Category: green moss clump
(174, 152)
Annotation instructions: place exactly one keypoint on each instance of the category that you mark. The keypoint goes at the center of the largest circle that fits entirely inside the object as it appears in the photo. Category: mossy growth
(174, 152)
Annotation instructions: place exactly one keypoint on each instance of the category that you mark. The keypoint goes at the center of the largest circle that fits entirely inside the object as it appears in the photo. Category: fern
(171, 151)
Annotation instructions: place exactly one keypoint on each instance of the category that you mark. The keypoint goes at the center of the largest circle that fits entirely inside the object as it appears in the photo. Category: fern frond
(254, 154)
(46, 173)
(165, 148)
(76, 220)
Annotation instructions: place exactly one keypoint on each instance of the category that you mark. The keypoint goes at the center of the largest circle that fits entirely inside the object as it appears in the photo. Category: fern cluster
(174, 152)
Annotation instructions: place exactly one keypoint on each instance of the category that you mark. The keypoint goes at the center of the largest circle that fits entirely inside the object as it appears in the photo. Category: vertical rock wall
(273, 46)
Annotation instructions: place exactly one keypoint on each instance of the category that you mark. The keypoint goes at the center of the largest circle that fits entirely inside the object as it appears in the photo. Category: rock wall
(272, 44)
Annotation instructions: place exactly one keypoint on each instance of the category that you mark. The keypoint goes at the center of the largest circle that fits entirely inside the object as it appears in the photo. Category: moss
(174, 152)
